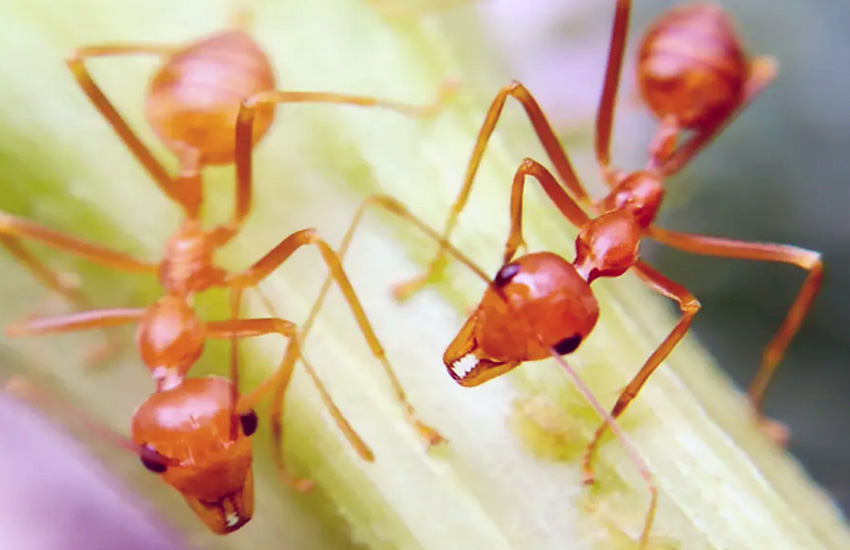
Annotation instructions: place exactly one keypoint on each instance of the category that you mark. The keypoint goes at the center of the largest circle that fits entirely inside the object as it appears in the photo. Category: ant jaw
(470, 370)
(467, 363)
(230, 512)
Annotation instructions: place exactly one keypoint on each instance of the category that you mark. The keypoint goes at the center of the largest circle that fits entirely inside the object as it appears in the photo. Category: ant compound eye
(152, 460)
(505, 274)
(568, 345)
(249, 423)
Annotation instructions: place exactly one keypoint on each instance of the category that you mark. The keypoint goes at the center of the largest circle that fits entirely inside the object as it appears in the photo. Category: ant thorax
(608, 245)
(187, 265)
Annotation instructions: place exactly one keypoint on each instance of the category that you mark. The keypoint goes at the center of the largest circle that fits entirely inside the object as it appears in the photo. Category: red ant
(194, 431)
(540, 304)
(695, 77)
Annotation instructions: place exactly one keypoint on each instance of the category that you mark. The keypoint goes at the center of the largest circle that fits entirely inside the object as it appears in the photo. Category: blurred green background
(779, 173)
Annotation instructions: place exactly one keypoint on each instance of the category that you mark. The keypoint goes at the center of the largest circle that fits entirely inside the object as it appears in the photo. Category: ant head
(640, 194)
(536, 302)
(185, 436)
(170, 338)
(692, 68)
(193, 100)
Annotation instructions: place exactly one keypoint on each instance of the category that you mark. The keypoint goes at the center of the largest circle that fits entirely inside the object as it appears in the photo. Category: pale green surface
(722, 485)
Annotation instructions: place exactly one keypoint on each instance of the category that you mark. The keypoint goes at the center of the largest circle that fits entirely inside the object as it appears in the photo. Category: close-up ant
(539, 304)
(687, 92)
(195, 104)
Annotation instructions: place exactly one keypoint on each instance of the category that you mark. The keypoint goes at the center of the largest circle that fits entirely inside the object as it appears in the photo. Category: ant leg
(551, 145)
(46, 276)
(245, 131)
(15, 227)
(800, 257)
(396, 208)
(235, 307)
(278, 255)
(186, 197)
(565, 203)
(627, 445)
(762, 72)
(605, 114)
(689, 306)
(61, 285)
(84, 320)
(278, 384)
(353, 438)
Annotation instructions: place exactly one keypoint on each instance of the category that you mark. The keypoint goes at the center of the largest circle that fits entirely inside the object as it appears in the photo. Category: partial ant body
(193, 430)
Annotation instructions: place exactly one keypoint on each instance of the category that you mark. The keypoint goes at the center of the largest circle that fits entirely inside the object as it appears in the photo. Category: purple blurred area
(56, 496)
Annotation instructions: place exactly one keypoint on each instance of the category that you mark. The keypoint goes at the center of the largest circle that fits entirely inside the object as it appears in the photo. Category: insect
(694, 77)
(195, 105)
(504, 304)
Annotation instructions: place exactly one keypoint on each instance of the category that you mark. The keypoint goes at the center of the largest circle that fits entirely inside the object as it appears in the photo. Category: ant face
(187, 437)
(537, 302)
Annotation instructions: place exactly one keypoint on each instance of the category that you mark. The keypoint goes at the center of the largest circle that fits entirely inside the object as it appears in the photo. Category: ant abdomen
(692, 68)
(194, 98)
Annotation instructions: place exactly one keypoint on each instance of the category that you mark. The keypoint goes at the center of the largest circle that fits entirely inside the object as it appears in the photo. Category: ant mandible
(195, 106)
(695, 77)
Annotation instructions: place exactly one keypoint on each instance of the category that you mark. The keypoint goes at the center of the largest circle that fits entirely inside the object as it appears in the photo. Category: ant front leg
(800, 257)
(182, 195)
(762, 72)
(551, 145)
(566, 204)
(245, 132)
(278, 255)
(689, 307)
(277, 384)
